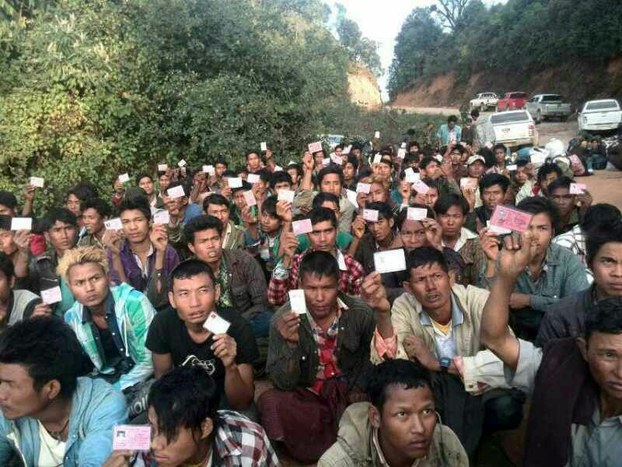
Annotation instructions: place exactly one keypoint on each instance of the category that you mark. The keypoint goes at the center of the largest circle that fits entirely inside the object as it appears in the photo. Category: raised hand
(287, 326)
(490, 244)
(159, 237)
(374, 293)
(358, 227)
(516, 254)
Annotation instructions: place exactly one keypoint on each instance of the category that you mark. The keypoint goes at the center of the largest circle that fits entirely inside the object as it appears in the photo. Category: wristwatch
(445, 364)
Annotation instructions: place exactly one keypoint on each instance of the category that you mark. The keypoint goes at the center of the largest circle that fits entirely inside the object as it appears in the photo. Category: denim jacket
(95, 408)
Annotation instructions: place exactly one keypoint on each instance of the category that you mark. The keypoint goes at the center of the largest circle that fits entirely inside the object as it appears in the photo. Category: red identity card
(302, 227)
(509, 218)
(131, 438)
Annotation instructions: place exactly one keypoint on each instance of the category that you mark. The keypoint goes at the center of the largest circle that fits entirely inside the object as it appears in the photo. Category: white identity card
(286, 195)
(21, 223)
(216, 324)
(297, 301)
(390, 261)
(37, 182)
(113, 224)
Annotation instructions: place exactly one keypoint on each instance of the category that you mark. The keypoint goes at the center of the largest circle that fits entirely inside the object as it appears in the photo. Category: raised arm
(495, 334)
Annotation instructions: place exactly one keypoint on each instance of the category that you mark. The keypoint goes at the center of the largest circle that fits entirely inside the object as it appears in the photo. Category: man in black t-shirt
(177, 336)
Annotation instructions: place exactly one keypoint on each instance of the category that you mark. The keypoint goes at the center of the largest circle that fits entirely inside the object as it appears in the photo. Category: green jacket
(355, 448)
(297, 367)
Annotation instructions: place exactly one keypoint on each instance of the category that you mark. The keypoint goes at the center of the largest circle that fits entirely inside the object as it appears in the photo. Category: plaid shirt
(574, 240)
(326, 344)
(238, 442)
(283, 280)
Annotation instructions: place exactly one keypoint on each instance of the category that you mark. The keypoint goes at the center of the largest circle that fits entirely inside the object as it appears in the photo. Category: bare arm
(239, 386)
(162, 364)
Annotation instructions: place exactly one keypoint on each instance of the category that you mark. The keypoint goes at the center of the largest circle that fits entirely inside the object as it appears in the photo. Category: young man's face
(412, 234)
(331, 184)
(62, 236)
(544, 183)
(18, 397)
(384, 171)
(219, 168)
(542, 231)
(199, 178)
(430, 286)
(377, 194)
(603, 353)
(175, 205)
(282, 186)
(135, 225)
(432, 170)
(499, 156)
(456, 157)
(93, 222)
(338, 151)
(452, 221)
(207, 246)
(323, 236)
(320, 295)
(492, 196)
(164, 181)
(7, 211)
(406, 423)
(381, 230)
(73, 204)
(348, 171)
(318, 158)
(146, 184)
(451, 125)
(522, 175)
(238, 199)
(333, 207)
(607, 269)
(564, 200)
(253, 161)
(88, 283)
(194, 298)
(269, 224)
(428, 199)
(476, 169)
(220, 211)
(7, 245)
(182, 449)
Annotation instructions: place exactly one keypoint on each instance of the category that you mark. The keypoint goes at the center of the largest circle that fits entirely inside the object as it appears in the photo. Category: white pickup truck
(544, 106)
(601, 115)
(484, 101)
(512, 128)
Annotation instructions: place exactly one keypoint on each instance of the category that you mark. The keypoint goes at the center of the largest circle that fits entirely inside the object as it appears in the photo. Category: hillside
(577, 82)
(363, 88)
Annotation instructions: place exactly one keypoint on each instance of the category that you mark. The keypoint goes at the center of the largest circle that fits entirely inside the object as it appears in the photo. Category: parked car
(512, 101)
(545, 106)
(512, 128)
(484, 101)
(600, 115)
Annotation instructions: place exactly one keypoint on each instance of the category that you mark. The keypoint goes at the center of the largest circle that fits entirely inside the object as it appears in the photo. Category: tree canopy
(93, 88)
(522, 36)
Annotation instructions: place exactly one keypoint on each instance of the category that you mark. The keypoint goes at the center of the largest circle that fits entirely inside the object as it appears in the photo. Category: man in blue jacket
(51, 415)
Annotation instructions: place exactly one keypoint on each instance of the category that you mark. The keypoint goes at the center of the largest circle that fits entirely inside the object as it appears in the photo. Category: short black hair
(137, 203)
(475, 113)
(48, 349)
(5, 222)
(500, 146)
(445, 202)
(398, 372)
(605, 317)
(252, 152)
(427, 160)
(547, 169)
(490, 180)
(331, 169)
(353, 160)
(183, 398)
(8, 199)
(297, 168)
(384, 210)
(264, 175)
(320, 214)
(102, 207)
(452, 118)
(217, 199)
(58, 214)
(541, 205)
(403, 214)
(142, 175)
(191, 268)
(600, 214)
(269, 206)
(599, 235)
(425, 256)
(280, 177)
(560, 182)
(6, 266)
(319, 264)
(201, 223)
(83, 191)
(323, 197)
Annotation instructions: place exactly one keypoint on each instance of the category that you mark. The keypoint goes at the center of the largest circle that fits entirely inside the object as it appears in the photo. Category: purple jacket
(134, 275)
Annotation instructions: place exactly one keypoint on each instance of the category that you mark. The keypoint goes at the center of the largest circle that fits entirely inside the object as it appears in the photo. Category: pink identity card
(131, 438)
(509, 218)
(577, 188)
(302, 227)
(315, 147)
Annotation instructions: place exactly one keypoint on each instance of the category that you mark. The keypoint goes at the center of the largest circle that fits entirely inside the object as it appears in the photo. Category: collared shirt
(465, 234)
(562, 274)
(109, 343)
(445, 343)
(574, 240)
(144, 268)
(594, 444)
(283, 280)
(326, 344)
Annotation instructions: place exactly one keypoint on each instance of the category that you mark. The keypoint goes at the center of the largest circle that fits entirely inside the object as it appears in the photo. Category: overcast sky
(381, 21)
